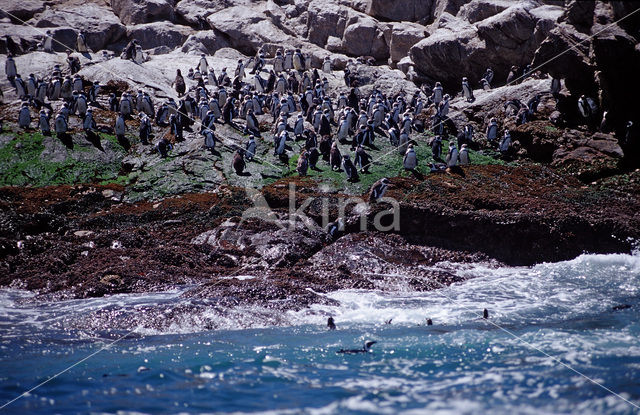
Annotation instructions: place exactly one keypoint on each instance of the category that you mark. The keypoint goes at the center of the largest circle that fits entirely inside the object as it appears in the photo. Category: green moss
(21, 165)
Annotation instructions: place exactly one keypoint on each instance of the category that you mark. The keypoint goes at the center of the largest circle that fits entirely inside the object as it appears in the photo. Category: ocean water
(553, 344)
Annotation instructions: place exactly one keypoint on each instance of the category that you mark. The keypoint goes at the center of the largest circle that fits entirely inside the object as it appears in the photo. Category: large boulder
(142, 11)
(21, 11)
(325, 20)
(153, 35)
(205, 41)
(248, 28)
(457, 49)
(189, 10)
(400, 10)
(403, 37)
(99, 24)
(362, 37)
(477, 10)
(589, 158)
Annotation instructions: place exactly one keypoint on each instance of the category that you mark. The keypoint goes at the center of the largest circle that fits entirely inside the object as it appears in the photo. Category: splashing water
(544, 321)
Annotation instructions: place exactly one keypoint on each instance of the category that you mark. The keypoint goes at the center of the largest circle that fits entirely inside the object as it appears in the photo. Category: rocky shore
(88, 222)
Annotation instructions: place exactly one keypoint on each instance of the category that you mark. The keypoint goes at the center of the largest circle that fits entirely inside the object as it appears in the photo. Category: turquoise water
(552, 335)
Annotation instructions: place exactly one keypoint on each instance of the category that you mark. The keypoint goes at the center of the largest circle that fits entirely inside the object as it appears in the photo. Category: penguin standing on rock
(43, 123)
(378, 190)
(120, 129)
(250, 148)
(467, 91)
(238, 163)
(24, 116)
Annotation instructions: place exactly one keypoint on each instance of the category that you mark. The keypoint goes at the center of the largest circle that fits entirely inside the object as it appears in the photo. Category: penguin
(313, 156)
(288, 60)
(436, 96)
(10, 69)
(362, 160)
(21, 87)
(349, 169)
(280, 143)
(556, 86)
(429, 322)
(179, 84)
(24, 116)
(252, 123)
(298, 61)
(163, 147)
(505, 144)
(513, 73)
(378, 190)
(203, 65)
(113, 102)
(209, 140)
(488, 76)
(335, 158)
(394, 137)
(331, 324)
(139, 55)
(410, 161)
(176, 128)
(464, 155)
(43, 123)
(125, 105)
(240, 70)
(120, 128)
(485, 84)
(94, 91)
(452, 156)
(492, 130)
(403, 143)
(250, 148)
(467, 91)
(278, 62)
(81, 105)
(238, 163)
(81, 44)
(32, 84)
(88, 123)
(485, 314)
(77, 84)
(326, 65)
(436, 148)
(60, 124)
(47, 43)
(365, 349)
(145, 129)
(303, 164)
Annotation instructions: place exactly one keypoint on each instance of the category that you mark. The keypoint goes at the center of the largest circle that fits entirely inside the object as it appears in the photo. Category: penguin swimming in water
(485, 314)
(331, 324)
(365, 349)
(378, 190)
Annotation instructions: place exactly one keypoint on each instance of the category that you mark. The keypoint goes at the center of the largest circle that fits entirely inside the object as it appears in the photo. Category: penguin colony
(301, 105)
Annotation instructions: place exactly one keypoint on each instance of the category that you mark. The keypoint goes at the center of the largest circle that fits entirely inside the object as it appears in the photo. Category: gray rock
(364, 38)
(142, 11)
(21, 11)
(477, 10)
(99, 24)
(403, 37)
(325, 20)
(400, 10)
(153, 35)
(205, 41)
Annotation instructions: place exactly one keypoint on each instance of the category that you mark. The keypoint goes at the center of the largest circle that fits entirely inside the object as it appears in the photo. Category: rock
(334, 45)
(403, 37)
(477, 10)
(22, 38)
(82, 234)
(405, 64)
(278, 243)
(142, 11)
(99, 24)
(457, 49)
(325, 20)
(590, 158)
(580, 14)
(153, 35)
(547, 18)
(21, 11)
(451, 7)
(364, 38)
(189, 10)
(248, 28)
(205, 41)
(400, 10)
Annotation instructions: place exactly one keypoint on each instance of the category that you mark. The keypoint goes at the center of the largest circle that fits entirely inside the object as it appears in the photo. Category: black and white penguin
(89, 123)
(250, 148)
(437, 94)
(492, 130)
(349, 169)
(120, 129)
(280, 143)
(145, 129)
(326, 65)
(335, 158)
(436, 148)
(365, 349)
(81, 43)
(209, 140)
(378, 190)
(313, 156)
(505, 144)
(410, 161)
(24, 116)
(163, 147)
(513, 73)
(488, 75)
(60, 124)
(278, 62)
(43, 123)
(362, 160)
(452, 155)
(467, 91)
(464, 155)
(203, 65)
(331, 324)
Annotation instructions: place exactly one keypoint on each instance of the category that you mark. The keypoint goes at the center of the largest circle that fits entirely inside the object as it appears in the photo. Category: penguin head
(368, 344)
